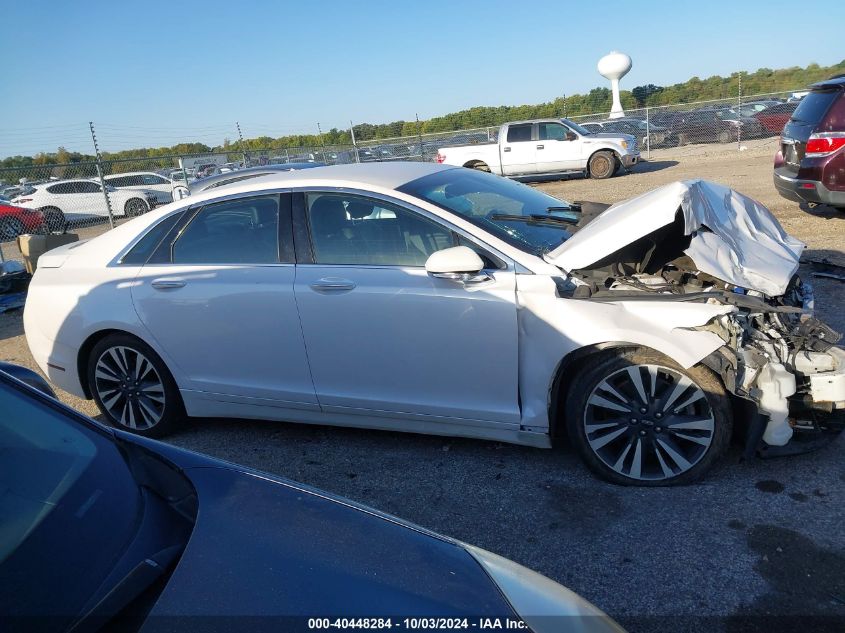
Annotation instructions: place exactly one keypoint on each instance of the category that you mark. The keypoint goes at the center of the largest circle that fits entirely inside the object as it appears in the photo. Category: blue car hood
(264, 547)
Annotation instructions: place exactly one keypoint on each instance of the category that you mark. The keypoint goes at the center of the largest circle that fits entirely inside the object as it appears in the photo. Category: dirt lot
(756, 546)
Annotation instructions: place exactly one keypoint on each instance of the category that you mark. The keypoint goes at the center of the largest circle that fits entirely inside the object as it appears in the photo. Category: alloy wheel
(129, 388)
(648, 422)
(135, 207)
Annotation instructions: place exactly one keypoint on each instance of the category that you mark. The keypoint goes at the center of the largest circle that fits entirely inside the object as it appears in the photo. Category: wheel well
(85, 352)
(472, 164)
(568, 367)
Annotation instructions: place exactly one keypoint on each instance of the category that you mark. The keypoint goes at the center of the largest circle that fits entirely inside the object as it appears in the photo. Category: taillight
(440, 157)
(824, 144)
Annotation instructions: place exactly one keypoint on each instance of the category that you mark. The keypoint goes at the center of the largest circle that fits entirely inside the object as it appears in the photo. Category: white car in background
(431, 299)
(148, 180)
(83, 197)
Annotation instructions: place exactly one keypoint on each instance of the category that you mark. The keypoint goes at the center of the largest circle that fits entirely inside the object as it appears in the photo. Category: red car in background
(15, 221)
(775, 117)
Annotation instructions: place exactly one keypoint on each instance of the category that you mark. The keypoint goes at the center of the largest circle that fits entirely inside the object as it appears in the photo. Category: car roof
(57, 182)
(838, 82)
(131, 173)
(386, 175)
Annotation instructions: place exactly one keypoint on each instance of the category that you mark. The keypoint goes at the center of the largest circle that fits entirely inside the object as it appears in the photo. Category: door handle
(506, 149)
(168, 284)
(539, 147)
(332, 284)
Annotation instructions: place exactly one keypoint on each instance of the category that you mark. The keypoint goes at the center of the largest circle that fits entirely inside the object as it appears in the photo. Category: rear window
(519, 133)
(814, 106)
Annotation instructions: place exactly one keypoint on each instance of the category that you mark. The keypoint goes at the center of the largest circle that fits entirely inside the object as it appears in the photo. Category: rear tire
(637, 418)
(133, 388)
(55, 220)
(725, 137)
(602, 165)
(135, 207)
(480, 167)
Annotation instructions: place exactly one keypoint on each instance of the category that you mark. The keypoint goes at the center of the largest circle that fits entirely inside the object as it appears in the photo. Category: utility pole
(100, 174)
(564, 105)
(354, 144)
(241, 143)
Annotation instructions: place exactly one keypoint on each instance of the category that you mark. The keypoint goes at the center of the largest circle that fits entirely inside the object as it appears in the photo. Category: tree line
(597, 100)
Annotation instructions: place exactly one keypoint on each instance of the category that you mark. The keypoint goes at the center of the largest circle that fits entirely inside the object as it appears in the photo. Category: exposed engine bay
(777, 358)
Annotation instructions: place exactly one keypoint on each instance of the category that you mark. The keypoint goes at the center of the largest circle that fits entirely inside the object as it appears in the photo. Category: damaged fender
(551, 328)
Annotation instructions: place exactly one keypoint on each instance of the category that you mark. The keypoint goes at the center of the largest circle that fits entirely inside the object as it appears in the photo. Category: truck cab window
(519, 133)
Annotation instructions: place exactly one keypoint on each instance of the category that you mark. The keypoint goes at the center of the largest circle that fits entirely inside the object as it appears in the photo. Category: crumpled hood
(733, 237)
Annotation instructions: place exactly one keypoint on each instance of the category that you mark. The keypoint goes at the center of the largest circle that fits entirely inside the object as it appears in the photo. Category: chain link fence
(89, 198)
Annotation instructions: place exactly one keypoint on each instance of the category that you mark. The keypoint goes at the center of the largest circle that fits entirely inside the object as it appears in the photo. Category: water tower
(615, 66)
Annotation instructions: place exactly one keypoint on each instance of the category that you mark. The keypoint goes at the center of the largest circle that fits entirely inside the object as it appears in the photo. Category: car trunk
(804, 121)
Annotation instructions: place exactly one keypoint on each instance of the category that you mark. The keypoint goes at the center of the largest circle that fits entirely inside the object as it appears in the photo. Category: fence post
(419, 137)
(739, 115)
(354, 144)
(100, 175)
(647, 135)
(244, 155)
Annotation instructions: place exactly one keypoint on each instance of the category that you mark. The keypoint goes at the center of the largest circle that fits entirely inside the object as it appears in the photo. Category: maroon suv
(810, 164)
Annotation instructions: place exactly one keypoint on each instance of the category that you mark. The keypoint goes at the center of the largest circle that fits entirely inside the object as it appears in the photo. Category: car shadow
(824, 211)
(648, 166)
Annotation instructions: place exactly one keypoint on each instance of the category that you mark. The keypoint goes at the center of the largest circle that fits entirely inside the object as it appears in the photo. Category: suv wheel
(638, 418)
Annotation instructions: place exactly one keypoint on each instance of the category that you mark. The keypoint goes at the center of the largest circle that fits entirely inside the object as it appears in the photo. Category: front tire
(602, 165)
(638, 418)
(725, 137)
(132, 387)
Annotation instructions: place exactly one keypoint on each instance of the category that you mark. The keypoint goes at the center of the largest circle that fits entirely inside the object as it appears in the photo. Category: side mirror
(459, 263)
(570, 136)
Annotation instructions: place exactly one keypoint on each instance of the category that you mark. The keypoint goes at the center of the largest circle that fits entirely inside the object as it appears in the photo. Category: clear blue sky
(144, 71)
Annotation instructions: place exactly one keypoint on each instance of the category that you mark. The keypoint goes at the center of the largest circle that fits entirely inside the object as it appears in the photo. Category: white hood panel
(734, 238)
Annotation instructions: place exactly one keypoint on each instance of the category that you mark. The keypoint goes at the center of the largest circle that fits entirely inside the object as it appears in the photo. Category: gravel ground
(757, 546)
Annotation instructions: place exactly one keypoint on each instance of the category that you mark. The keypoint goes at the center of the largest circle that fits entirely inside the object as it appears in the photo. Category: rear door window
(519, 133)
(243, 231)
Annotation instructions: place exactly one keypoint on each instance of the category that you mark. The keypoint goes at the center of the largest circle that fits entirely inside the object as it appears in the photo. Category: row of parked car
(711, 124)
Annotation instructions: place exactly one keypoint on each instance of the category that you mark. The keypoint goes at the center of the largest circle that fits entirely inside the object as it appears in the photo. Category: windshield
(507, 209)
(68, 506)
(578, 128)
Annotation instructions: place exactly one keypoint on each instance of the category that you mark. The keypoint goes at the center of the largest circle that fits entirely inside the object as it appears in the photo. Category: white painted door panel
(232, 329)
(395, 339)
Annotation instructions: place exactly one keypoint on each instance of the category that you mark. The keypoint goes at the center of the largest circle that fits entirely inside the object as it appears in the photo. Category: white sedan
(432, 299)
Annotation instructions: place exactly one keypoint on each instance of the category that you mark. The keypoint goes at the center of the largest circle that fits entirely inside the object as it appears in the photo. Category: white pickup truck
(546, 146)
